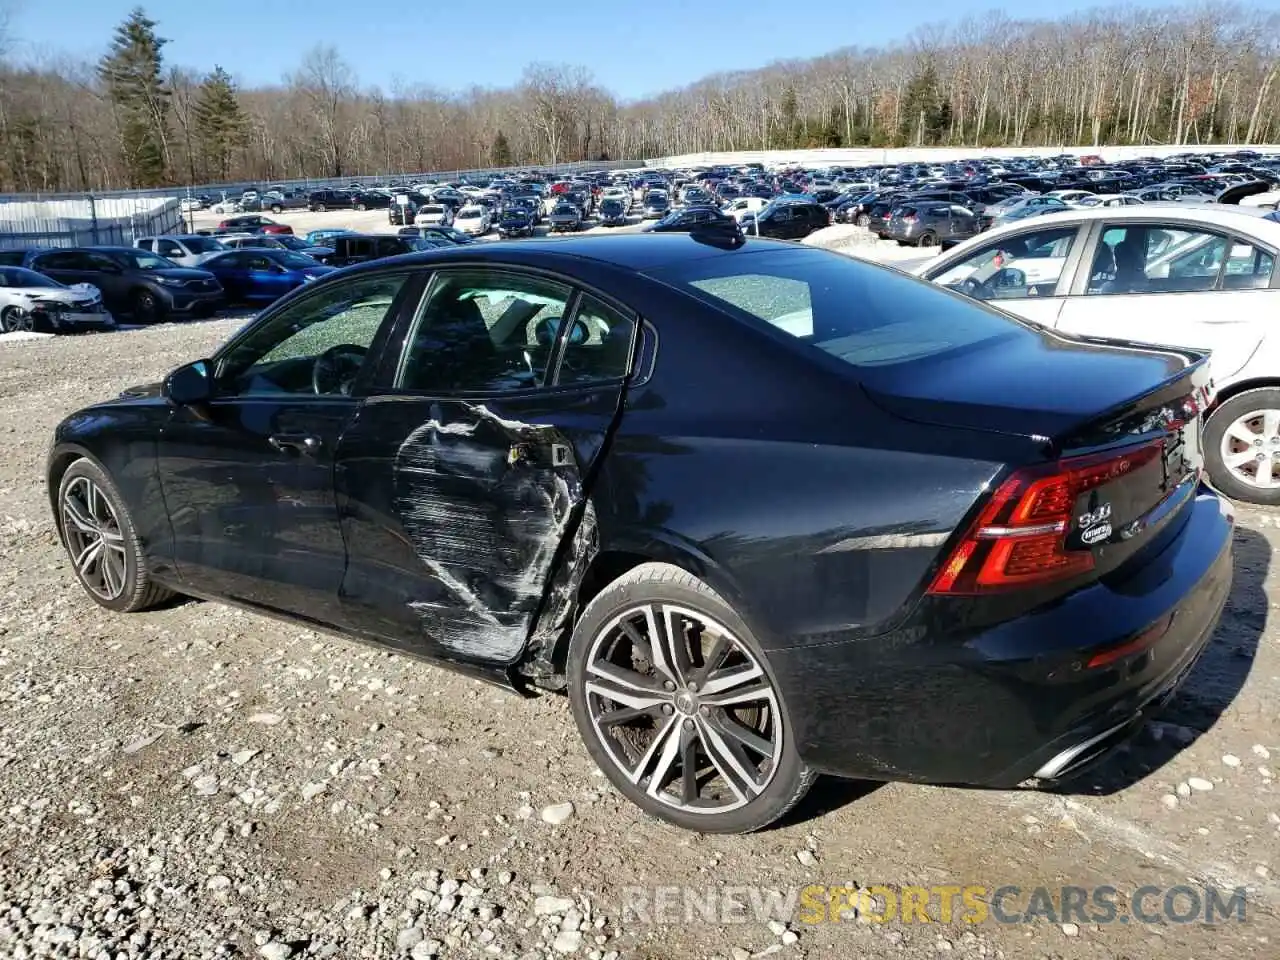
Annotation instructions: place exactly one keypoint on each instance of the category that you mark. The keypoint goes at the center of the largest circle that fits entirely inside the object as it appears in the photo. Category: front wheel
(677, 705)
(147, 307)
(360, 207)
(16, 320)
(276, 208)
(101, 541)
(1242, 446)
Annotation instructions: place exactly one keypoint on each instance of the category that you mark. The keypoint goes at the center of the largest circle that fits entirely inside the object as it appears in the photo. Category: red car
(254, 223)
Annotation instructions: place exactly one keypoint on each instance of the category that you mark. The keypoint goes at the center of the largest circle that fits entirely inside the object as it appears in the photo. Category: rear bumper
(1017, 702)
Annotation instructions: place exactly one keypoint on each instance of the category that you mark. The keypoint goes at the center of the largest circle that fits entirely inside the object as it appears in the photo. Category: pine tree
(925, 114)
(219, 122)
(132, 72)
(500, 152)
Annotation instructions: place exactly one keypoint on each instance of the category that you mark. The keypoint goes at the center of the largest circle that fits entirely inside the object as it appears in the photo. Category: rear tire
(927, 240)
(755, 775)
(1239, 431)
(98, 532)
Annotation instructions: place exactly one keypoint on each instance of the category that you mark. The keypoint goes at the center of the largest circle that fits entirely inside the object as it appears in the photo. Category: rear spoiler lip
(1196, 370)
(1067, 433)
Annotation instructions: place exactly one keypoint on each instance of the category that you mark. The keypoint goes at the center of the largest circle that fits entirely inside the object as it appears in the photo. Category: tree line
(1188, 75)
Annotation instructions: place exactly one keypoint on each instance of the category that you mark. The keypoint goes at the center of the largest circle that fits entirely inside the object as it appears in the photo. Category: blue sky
(634, 49)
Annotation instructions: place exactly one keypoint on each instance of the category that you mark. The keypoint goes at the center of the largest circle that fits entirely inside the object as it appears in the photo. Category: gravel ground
(202, 782)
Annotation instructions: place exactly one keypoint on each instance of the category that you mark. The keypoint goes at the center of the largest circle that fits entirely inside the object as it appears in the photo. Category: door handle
(299, 442)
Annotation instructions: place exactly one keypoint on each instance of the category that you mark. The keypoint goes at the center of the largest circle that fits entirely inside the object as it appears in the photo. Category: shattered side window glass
(339, 325)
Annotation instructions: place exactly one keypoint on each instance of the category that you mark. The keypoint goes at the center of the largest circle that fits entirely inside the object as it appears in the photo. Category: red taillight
(1020, 538)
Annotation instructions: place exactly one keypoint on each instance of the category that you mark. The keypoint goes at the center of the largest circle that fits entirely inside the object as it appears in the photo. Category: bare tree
(327, 84)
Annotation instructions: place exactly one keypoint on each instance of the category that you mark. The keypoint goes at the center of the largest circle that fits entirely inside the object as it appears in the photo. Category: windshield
(21, 277)
(468, 214)
(807, 293)
(149, 261)
(203, 245)
(295, 261)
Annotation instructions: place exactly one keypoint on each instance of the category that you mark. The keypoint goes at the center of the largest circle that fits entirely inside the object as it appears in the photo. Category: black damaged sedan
(764, 511)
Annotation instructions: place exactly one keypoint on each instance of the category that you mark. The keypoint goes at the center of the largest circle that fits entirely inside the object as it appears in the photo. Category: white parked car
(31, 302)
(741, 206)
(1109, 200)
(622, 194)
(434, 215)
(1071, 198)
(184, 250)
(474, 220)
(1193, 276)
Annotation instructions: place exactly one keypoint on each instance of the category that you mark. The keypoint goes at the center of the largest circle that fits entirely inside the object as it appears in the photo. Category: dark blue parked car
(263, 275)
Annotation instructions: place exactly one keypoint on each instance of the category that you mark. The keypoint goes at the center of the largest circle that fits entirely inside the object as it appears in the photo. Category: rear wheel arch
(611, 564)
(1235, 389)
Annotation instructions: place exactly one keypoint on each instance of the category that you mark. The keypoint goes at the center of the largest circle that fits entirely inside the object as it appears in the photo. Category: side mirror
(190, 384)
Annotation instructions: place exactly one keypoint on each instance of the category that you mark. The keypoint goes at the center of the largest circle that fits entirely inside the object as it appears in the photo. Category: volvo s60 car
(756, 535)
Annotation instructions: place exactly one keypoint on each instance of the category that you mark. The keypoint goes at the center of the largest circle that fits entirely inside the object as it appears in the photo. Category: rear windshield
(203, 245)
(865, 315)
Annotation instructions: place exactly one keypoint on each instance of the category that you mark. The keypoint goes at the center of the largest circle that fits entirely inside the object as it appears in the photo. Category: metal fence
(335, 183)
(85, 221)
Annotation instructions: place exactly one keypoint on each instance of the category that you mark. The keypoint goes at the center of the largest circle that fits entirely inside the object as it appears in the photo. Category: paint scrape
(486, 530)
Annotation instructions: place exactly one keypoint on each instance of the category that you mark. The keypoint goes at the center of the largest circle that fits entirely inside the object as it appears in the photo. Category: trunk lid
(1124, 418)
(1064, 391)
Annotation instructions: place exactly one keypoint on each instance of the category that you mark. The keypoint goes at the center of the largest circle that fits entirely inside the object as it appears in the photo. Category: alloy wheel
(16, 320)
(683, 708)
(1251, 448)
(94, 538)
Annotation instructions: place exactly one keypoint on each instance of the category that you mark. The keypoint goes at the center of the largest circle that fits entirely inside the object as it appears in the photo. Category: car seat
(1131, 262)
(453, 349)
(1104, 267)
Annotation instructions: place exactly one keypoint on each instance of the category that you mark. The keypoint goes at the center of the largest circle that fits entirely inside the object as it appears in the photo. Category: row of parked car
(183, 276)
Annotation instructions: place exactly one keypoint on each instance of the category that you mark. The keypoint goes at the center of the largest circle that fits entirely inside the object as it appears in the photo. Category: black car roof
(638, 252)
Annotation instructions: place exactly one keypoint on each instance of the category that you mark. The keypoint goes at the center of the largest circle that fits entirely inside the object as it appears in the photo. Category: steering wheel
(1009, 277)
(336, 369)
